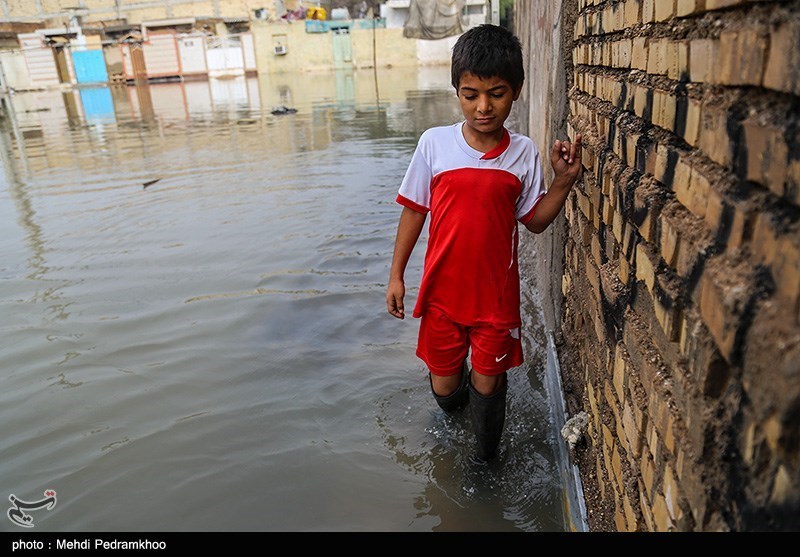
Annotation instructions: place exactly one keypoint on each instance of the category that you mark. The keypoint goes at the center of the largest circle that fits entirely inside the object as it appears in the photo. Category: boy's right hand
(394, 298)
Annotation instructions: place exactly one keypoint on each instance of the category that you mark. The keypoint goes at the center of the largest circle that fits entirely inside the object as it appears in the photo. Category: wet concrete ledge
(574, 502)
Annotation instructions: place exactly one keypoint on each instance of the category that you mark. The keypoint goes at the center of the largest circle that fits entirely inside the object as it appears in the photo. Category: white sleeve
(415, 190)
(532, 187)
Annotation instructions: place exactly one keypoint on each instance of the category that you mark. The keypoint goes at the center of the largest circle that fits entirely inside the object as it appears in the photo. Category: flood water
(212, 351)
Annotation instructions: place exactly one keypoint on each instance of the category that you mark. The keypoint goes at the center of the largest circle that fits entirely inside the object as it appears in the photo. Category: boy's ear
(517, 92)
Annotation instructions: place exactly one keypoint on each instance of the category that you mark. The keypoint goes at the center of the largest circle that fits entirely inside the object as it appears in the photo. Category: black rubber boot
(458, 398)
(488, 418)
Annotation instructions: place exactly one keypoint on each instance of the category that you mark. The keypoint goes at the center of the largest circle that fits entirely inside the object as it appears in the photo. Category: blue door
(90, 66)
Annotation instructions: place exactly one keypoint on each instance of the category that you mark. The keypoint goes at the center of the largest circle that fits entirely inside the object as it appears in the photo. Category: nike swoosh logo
(500, 358)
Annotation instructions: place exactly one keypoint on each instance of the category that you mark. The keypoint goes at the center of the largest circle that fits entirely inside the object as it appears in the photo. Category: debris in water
(283, 110)
(151, 182)
(574, 428)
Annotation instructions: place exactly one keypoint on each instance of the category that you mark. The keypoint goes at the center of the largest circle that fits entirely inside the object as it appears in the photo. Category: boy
(477, 180)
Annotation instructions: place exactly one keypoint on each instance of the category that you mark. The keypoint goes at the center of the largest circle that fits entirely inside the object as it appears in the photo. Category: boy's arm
(408, 231)
(566, 161)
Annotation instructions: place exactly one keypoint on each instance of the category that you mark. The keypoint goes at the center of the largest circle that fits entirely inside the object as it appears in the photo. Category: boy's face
(486, 103)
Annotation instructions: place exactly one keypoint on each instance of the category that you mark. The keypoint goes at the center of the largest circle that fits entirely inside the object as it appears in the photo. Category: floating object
(574, 427)
(151, 182)
(283, 110)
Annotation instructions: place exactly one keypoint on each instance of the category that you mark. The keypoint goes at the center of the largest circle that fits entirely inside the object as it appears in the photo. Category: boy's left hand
(566, 159)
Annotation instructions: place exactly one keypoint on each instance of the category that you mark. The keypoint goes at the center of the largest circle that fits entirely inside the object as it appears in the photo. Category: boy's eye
(498, 95)
(470, 97)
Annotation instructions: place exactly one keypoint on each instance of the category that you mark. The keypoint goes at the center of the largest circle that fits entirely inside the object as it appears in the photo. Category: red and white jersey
(475, 200)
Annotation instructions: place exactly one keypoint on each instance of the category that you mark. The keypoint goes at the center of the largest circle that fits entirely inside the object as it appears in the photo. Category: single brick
(767, 156)
(741, 57)
(661, 517)
(645, 268)
(597, 250)
(625, 48)
(648, 474)
(669, 436)
(665, 110)
(783, 66)
(722, 306)
(647, 513)
(671, 493)
(640, 98)
(648, 10)
(620, 376)
(633, 11)
(632, 522)
(629, 241)
(678, 61)
(608, 212)
(624, 270)
(619, 518)
(639, 56)
(618, 225)
(765, 240)
(618, 17)
(700, 188)
(632, 434)
(692, 192)
(608, 438)
(667, 314)
(714, 136)
(716, 209)
(689, 7)
(669, 240)
(786, 271)
(702, 58)
(652, 442)
(664, 9)
(606, 52)
(584, 204)
(693, 114)
(657, 57)
(611, 400)
(661, 163)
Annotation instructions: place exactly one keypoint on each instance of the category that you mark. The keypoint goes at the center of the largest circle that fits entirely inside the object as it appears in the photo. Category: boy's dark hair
(487, 51)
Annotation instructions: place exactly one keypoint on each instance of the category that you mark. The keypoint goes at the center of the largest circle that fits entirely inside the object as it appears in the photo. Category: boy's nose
(483, 104)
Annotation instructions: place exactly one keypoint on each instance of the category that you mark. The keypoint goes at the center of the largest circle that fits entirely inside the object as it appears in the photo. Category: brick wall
(681, 280)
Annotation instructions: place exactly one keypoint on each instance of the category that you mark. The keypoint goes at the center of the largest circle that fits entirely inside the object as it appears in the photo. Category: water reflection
(220, 334)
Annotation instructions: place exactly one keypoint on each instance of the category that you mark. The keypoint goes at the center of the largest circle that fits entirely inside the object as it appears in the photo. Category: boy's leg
(494, 351)
(443, 346)
(488, 418)
(486, 384)
(457, 396)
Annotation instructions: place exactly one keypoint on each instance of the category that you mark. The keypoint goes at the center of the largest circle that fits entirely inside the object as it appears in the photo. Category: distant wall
(680, 319)
(314, 51)
(15, 70)
(135, 11)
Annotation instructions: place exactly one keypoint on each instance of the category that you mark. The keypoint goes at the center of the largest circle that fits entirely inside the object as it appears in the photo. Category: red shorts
(443, 346)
